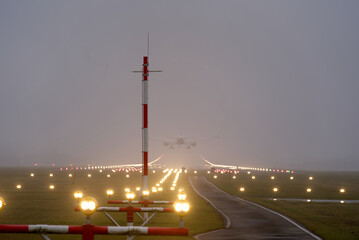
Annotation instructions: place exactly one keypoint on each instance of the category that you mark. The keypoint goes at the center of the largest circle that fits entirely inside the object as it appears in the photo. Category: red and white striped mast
(145, 74)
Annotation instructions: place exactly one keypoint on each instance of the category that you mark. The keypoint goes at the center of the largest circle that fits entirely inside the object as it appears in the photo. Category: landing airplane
(178, 141)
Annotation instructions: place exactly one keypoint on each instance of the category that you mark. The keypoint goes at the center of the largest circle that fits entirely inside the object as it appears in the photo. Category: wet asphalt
(244, 220)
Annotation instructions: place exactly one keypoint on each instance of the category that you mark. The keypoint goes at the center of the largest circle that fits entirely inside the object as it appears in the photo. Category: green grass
(36, 204)
(331, 221)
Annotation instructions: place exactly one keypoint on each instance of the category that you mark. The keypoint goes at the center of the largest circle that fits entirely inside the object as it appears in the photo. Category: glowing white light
(52, 187)
(182, 196)
(130, 196)
(241, 189)
(18, 186)
(78, 195)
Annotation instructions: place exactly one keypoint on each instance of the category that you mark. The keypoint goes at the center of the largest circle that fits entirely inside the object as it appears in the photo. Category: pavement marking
(198, 236)
(228, 221)
(284, 217)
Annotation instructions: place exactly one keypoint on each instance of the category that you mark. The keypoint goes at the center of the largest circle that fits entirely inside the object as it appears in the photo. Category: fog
(256, 83)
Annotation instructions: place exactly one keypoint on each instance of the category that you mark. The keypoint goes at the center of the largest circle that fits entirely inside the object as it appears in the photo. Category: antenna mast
(145, 73)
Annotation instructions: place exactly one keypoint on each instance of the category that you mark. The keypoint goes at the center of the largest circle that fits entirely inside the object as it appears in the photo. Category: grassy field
(331, 221)
(35, 203)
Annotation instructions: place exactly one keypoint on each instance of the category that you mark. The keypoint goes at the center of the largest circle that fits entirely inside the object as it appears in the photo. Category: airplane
(180, 141)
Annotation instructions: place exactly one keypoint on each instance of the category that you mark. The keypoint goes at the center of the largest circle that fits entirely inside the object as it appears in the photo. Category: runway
(246, 220)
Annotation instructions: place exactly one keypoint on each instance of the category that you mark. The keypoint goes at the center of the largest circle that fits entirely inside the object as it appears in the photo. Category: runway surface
(246, 220)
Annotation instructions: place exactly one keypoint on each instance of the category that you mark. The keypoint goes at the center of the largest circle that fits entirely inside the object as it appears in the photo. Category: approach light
(249, 172)
(342, 190)
(215, 176)
(51, 175)
(208, 172)
(109, 192)
(70, 175)
(160, 189)
(127, 190)
(88, 205)
(341, 201)
(52, 187)
(182, 196)
(157, 184)
(275, 189)
(138, 189)
(127, 175)
(78, 195)
(32, 175)
(172, 188)
(309, 190)
(234, 177)
(18, 186)
(2, 203)
(154, 171)
(253, 177)
(195, 172)
(108, 175)
(130, 196)
(291, 178)
(272, 177)
(241, 189)
(308, 200)
(145, 192)
(154, 189)
(89, 175)
(310, 178)
(181, 207)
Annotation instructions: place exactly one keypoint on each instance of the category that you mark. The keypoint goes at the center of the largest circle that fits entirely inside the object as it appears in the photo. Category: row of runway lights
(272, 177)
(308, 190)
(154, 189)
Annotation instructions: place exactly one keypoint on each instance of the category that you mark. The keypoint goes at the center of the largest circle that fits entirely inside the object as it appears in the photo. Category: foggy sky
(258, 83)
